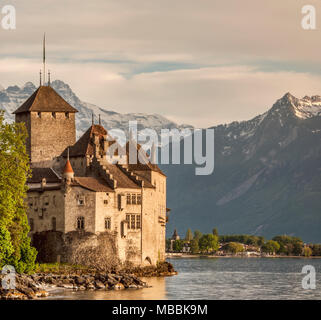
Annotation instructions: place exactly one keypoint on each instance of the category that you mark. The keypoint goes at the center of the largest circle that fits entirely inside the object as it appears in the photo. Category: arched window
(53, 223)
(107, 223)
(80, 223)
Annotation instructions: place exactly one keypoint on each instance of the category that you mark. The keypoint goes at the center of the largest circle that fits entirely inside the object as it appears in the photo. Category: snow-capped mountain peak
(14, 96)
(304, 108)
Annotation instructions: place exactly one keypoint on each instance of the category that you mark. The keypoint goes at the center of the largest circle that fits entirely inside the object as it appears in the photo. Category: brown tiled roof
(45, 99)
(39, 173)
(93, 184)
(85, 146)
(142, 166)
(123, 181)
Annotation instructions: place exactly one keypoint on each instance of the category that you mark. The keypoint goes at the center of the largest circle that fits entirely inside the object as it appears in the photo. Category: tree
(208, 242)
(234, 247)
(215, 232)
(178, 245)
(194, 246)
(189, 235)
(289, 245)
(307, 251)
(15, 248)
(168, 244)
(197, 235)
(271, 247)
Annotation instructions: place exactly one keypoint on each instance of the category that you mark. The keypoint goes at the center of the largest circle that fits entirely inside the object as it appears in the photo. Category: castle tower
(50, 123)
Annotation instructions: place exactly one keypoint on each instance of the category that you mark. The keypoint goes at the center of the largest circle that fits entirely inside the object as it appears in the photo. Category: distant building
(76, 198)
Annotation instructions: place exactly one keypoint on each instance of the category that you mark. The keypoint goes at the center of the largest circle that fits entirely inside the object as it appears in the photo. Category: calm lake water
(220, 278)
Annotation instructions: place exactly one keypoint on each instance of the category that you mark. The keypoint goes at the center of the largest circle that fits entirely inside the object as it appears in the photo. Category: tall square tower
(50, 123)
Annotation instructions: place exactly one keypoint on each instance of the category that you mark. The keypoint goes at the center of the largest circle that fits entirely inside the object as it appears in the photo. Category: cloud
(200, 62)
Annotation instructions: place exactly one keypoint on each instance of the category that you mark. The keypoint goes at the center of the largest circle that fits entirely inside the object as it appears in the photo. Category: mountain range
(267, 175)
(13, 96)
(266, 180)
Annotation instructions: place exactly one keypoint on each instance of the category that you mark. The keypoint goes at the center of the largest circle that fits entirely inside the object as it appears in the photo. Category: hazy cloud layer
(199, 62)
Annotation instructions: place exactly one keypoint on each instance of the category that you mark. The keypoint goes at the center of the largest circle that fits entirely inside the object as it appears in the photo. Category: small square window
(81, 202)
(134, 198)
(39, 114)
(128, 198)
(67, 115)
(105, 202)
(139, 198)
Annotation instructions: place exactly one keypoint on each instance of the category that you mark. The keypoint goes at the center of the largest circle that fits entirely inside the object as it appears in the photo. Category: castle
(78, 202)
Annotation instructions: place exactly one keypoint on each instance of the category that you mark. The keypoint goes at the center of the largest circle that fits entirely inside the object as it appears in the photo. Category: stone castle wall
(48, 134)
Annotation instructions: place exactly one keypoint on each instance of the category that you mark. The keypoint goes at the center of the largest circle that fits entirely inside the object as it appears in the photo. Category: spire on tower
(49, 78)
(99, 120)
(40, 78)
(44, 58)
(92, 119)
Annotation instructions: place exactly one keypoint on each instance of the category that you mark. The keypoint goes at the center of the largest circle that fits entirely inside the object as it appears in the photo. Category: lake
(220, 278)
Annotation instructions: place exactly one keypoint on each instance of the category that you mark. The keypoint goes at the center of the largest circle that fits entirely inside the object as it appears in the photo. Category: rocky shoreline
(38, 285)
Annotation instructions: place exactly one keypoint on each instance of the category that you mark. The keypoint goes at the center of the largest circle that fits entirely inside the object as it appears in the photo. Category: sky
(203, 62)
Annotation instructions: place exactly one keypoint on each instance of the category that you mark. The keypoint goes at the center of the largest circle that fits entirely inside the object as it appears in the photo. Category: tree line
(212, 243)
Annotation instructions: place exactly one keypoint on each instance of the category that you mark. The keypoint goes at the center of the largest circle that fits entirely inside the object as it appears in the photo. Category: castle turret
(68, 171)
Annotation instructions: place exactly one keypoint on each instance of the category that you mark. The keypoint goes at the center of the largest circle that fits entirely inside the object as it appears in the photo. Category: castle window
(67, 115)
(139, 198)
(53, 223)
(53, 114)
(134, 198)
(105, 202)
(31, 223)
(128, 198)
(81, 202)
(46, 201)
(39, 114)
(132, 221)
(41, 212)
(138, 222)
(128, 220)
(80, 223)
(107, 223)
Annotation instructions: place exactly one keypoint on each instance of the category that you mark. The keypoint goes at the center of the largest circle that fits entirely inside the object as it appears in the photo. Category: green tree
(271, 247)
(197, 235)
(234, 247)
(215, 232)
(194, 246)
(208, 242)
(178, 245)
(15, 248)
(189, 235)
(307, 252)
(168, 244)
(289, 245)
